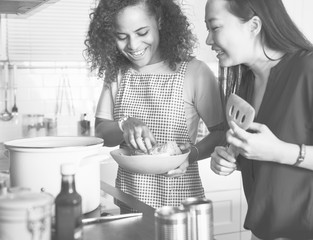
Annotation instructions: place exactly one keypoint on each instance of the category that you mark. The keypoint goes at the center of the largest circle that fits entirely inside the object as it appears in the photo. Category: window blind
(55, 34)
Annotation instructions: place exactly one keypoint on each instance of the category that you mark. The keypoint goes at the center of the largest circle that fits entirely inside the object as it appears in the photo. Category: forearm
(207, 145)
(109, 131)
(288, 153)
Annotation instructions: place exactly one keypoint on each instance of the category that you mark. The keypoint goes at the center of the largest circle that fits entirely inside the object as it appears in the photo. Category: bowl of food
(161, 159)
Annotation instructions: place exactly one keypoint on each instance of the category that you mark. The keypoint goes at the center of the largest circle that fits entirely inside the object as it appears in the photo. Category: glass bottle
(68, 207)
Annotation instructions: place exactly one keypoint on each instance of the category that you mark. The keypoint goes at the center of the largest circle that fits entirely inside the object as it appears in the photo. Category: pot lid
(53, 142)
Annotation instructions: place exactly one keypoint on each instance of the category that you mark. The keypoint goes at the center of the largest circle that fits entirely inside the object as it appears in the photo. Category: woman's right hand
(137, 135)
(222, 163)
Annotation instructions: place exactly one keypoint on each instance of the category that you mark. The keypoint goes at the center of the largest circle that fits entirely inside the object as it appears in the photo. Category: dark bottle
(68, 207)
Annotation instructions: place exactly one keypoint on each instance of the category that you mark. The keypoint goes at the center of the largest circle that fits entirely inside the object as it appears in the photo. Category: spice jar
(25, 215)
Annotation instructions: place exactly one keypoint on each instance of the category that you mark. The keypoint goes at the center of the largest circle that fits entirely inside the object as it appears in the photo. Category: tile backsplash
(59, 94)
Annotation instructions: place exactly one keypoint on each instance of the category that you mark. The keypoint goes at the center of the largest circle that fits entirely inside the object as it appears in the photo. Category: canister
(200, 218)
(25, 215)
(171, 223)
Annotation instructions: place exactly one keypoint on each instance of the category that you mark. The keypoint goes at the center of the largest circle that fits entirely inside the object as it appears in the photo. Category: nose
(133, 43)
(209, 39)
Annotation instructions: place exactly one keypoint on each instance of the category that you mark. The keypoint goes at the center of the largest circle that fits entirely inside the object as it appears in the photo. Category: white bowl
(148, 164)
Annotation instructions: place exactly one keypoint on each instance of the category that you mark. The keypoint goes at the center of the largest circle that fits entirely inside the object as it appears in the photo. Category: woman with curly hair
(154, 92)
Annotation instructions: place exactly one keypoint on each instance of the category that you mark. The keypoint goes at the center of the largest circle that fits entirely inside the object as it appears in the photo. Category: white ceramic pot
(35, 163)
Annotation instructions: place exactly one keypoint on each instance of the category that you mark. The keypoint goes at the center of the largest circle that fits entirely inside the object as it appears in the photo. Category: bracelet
(121, 122)
(197, 150)
(301, 156)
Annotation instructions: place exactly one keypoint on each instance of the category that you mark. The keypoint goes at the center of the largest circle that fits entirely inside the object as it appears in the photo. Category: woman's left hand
(181, 170)
(258, 145)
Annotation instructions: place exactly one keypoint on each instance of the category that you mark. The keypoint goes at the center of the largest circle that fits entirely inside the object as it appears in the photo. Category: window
(54, 34)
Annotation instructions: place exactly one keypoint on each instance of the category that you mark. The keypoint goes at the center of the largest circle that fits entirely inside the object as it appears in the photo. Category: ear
(255, 25)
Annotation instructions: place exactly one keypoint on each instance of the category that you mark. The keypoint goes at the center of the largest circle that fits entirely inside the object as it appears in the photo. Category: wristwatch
(121, 121)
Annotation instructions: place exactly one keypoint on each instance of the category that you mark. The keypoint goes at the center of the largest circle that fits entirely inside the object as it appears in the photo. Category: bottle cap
(68, 169)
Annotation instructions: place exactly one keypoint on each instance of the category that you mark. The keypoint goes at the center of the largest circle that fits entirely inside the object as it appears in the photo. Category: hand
(223, 163)
(137, 135)
(259, 145)
(181, 170)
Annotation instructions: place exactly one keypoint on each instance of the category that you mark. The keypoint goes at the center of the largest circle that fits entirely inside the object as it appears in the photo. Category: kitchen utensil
(239, 111)
(25, 215)
(200, 217)
(6, 115)
(87, 221)
(171, 223)
(148, 164)
(35, 164)
(14, 108)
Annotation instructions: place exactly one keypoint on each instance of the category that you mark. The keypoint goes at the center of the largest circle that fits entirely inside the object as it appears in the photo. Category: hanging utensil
(6, 115)
(14, 108)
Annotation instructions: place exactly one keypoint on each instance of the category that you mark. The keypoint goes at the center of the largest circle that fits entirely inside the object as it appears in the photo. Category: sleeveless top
(157, 100)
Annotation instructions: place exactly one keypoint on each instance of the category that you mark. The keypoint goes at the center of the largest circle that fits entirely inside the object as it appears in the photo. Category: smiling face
(229, 36)
(137, 35)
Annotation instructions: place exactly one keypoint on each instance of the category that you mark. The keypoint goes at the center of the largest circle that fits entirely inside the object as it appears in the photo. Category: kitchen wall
(39, 91)
(38, 88)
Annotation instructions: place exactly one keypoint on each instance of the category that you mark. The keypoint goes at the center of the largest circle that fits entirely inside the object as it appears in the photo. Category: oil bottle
(68, 207)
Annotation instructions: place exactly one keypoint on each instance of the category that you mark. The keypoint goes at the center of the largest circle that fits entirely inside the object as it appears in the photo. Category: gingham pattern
(157, 99)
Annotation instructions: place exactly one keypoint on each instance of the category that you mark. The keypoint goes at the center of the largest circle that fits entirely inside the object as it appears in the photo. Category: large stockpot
(35, 164)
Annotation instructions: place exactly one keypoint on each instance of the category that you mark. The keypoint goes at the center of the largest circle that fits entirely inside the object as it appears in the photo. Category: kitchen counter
(136, 228)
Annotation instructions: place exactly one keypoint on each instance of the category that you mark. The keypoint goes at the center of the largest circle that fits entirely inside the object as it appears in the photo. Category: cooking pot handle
(99, 157)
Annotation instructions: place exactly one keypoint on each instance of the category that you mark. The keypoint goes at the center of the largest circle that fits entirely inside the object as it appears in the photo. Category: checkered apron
(157, 99)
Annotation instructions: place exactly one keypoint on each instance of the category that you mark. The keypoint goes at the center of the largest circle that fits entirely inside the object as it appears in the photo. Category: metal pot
(35, 164)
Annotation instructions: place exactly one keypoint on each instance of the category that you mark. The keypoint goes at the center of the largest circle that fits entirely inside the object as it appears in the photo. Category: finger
(141, 145)
(132, 141)
(220, 170)
(184, 146)
(147, 143)
(227, 154)
(256, 127)
(238, 132)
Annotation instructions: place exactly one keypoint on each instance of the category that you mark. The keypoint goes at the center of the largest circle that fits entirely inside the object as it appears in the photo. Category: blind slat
(55, 34)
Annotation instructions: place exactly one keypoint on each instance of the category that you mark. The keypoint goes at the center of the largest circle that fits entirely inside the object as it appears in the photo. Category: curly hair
(177, 41)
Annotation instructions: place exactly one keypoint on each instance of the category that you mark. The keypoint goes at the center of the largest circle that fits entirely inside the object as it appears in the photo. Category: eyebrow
(137, 30)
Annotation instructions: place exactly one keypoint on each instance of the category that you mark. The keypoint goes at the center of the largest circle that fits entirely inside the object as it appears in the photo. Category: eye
(121, 37)
(142, 33)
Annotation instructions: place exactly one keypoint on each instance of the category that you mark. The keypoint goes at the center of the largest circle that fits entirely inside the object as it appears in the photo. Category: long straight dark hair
(278, 32)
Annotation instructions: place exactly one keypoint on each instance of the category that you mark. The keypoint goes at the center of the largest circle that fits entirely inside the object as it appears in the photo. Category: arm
(263, 145)
(109, 131)
(207, 102)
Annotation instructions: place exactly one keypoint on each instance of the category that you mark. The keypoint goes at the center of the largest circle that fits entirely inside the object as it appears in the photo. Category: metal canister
(200, 214)
(171, 223)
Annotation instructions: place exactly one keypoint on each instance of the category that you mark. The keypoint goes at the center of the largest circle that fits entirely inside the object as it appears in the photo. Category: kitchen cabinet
(229, 204)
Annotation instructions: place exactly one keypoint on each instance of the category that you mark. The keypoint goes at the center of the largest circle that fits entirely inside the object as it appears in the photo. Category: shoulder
(197, 66)
(303, 60)
(198, 71)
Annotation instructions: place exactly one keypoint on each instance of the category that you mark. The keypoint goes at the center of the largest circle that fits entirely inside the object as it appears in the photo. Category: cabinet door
(225, 192)
(226, 211)
(230, 236)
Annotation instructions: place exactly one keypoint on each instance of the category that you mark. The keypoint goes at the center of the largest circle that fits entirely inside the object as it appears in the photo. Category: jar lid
(24, 200)
(68, 169)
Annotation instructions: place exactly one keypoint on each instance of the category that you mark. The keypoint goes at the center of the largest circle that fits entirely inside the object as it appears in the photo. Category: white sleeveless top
(157, 100)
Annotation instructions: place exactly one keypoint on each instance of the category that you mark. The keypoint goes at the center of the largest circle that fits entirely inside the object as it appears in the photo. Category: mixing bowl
(148, 164)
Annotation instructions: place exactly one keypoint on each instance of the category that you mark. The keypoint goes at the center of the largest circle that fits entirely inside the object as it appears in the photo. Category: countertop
(137, 228)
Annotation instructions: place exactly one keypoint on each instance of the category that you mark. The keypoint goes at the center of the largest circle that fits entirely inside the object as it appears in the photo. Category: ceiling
(21, 7)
